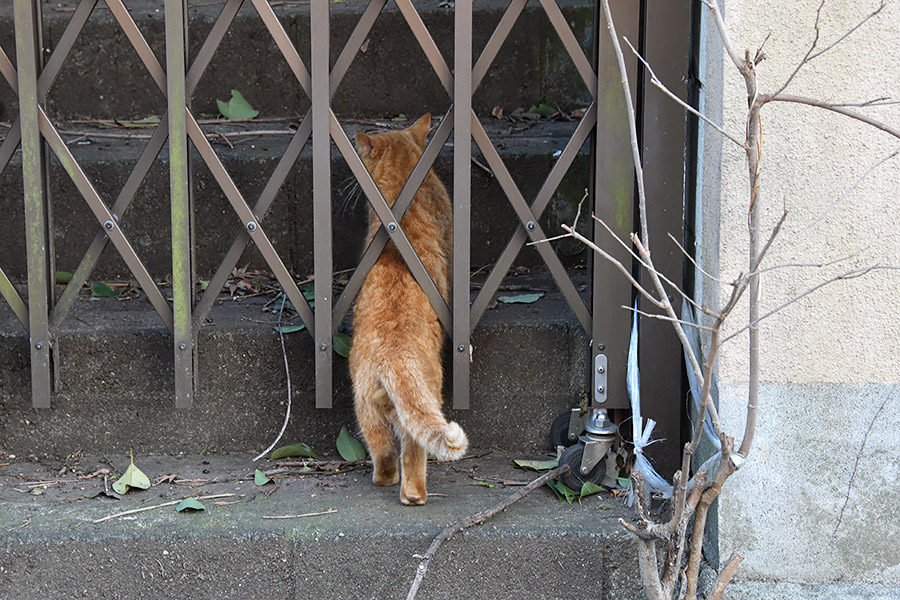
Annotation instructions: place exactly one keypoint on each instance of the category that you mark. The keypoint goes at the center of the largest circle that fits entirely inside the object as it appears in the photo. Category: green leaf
(541, 466)
(36, 491)
(589, 487)
(237, 108)
(545, 110)
(486, 484)
(291, 328)
(298, 449)
(562, 490)
(349, 447)
(190, 504)
(63, 277)
(341, 343)
(521, 298)
(133, 477)
(204, 283)
(624, 482)
(101, 290)
(259, 478)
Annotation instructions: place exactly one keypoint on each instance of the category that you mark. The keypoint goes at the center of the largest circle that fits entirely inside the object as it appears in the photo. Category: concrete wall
(817, 500)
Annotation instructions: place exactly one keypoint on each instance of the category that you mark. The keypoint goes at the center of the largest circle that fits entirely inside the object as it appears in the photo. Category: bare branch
(666, 318)
(697, 266)
(849, 191)
(883, 101)
(724, 577)
(713, 7)
(809, 52)
(615, 262)
(768, 244)
(848, 275)
(659, 84)
(818, 265)
(765, 98)
(848, 34)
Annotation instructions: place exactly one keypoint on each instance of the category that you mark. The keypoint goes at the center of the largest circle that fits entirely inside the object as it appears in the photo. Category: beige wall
(831, 362)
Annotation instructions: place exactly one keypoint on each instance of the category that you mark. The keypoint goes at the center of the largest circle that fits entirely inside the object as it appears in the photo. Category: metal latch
(601, 369)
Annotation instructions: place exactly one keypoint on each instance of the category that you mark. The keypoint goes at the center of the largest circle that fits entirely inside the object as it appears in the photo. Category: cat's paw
(454, 444)
(413, 497)
(385, 471)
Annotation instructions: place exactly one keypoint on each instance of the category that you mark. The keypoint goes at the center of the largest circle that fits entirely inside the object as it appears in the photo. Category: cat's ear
(419, 129)
(367, 145)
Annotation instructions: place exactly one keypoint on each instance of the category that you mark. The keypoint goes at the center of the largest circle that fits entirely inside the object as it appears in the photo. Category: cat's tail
(419, 412)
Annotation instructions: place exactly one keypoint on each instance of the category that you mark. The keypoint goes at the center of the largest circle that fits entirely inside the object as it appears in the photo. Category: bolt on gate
(663, 34)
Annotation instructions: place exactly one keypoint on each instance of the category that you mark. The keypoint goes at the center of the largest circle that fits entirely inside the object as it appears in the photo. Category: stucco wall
(830, 363)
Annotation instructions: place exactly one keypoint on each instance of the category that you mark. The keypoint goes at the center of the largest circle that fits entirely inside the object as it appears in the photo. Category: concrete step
(368, 549)
(104, 78)
(117, 383)
(528, 149)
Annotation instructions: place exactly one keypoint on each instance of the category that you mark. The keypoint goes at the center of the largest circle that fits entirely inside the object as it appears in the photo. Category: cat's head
(397, 149)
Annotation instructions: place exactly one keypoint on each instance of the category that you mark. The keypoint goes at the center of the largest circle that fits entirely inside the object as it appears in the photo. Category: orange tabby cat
(395, 360)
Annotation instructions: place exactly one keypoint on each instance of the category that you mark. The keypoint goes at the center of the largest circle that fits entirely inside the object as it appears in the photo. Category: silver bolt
(392, 227)
(601, 389)
(323, 347)
(39, 345)
(572, 435)
(601, 370)
(461, 348)
(584, 470)
(530, 225)
(108, 225)
(251, 226)
(182, 346)
(601, 347)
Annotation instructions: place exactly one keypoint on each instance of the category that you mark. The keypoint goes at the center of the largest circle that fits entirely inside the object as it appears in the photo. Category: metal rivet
(601, 389)
(323, 347)
(601, 370)
(461, 348)
(39, 345)
(182, 346)
(392, 227)
(601, 347)
(251, 226)
(584, 470)
(572, 435)
(530, 225)
(108, 225)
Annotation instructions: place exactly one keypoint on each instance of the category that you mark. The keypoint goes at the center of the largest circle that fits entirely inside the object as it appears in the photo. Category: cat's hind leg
(413, 462)
(373, 412)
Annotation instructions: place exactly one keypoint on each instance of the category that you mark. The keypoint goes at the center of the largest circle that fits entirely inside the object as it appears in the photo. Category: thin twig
(287, 371)
(765, 98)
(155, 506)
(312, 514)
(696, 265)
(666, 318)
(846, 35)
(862, 447)
(475, 519)
(659, 84)
(806, 58)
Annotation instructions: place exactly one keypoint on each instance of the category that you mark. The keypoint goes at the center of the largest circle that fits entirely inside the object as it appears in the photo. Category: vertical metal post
(179, 182)
(322, 254)
(462, 175)
(36, 214)
(613, 202)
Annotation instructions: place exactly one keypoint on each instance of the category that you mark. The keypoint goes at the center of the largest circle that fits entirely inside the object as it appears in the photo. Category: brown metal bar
(36, 212)
(322, 234)
(205, 149)
(8, 70)
(551, 183)
(351, 48)
(664, 136)
(180, 199)
(119, 208)
(501, 32)
(527, 218)
(106, 218)
(215, 37)
(130, 28)
(427, 44)
(462, 195)
(12, 297)
(284, 43)
(260, 209)
(401, 205)
(570, 43)
(10, 144)
(64, 46)
(412, 260)
(612, 199)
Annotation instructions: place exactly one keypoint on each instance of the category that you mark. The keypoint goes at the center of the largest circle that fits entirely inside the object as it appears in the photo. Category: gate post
(37, 238)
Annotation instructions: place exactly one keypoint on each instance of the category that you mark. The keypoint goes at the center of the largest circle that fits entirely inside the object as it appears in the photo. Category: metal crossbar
(179, 128)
